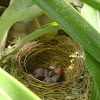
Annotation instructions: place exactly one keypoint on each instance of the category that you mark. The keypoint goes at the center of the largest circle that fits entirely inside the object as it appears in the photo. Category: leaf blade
(95, 93)
(14, 89)
(18, 10)
(92, 65)
(94, 68)
(94, 3)
(75, 25)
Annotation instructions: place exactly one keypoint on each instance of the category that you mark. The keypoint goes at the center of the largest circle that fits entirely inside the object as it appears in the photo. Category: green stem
(37, 23)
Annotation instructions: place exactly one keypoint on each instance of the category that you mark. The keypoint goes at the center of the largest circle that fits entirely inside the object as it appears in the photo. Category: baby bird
(41, 73)
(54, 75)
(49, 75)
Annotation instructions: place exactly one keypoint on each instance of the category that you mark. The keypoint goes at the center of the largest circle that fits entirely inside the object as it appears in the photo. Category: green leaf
(91, 15)
(32, 12)
(94, 68)
(70, 1)
(11, 89)
(18, 10)
(73, 23)
(3, 95)
(95, 93)
(94, 3)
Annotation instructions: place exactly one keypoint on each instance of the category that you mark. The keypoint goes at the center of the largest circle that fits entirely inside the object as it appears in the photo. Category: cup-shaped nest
(60, 51)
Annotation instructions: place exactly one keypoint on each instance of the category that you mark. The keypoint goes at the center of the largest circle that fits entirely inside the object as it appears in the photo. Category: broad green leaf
(94, 68)
(18, 10)
(95, 93)
(32, 12)
(98, 13)
(91, 15)
(44, 30)
(73, 23)
(4, 96)
(70, 1)
(11, 89)
(94, 3)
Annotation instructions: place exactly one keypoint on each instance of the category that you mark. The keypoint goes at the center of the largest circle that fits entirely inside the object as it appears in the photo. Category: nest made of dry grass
(60, 50)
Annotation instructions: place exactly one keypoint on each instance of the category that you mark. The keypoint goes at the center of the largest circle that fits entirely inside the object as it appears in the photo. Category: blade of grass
(18, 10)
(94, 3)
(73, 23)
(91, 15)
(13, 89)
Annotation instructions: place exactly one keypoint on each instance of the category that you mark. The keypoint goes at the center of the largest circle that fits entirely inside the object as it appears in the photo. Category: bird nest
(61, 51)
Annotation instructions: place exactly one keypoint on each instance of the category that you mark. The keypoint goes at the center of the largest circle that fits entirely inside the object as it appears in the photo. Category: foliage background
(69, 19)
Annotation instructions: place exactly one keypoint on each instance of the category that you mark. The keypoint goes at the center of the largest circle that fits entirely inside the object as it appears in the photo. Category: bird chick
(48, 80)
(54, 75)
(41, 73)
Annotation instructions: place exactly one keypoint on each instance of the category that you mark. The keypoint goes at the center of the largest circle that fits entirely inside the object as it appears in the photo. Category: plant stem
(37, 22)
